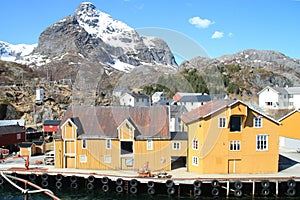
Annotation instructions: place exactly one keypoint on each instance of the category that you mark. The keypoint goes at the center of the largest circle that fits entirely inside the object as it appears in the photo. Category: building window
(262, 142)
(107, 159)
(149, 145)
(257, 122)
(235, 124)
(235, 145)
(83, 158)
(19, 136)
(84, 143)
(291, 103)
(222, 122)
(176, 146)
(195, 144)
(195, 160)
(129, 162)
(108, 143)
(269, 103)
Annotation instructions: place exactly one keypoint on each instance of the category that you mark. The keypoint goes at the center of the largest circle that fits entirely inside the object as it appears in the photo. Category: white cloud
(217, 35)
(200, 23)
(230, 34)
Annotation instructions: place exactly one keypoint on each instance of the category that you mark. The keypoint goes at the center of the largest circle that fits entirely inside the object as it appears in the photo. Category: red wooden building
(11, 136)
(51, 126)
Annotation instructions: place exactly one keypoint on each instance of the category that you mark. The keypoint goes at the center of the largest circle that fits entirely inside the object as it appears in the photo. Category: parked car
(49, 158)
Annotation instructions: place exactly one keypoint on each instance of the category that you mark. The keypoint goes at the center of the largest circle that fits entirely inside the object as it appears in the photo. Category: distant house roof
(25, 144)
(158, 94)
(179, 136)
(11, 129)
(279, 90)
(21, 122)
(176, 110)
(293, 90)
(38, 142)
(31, 130)
(102, 122)
(195, 98)
(213, 107)
(138, 95)
(51, 122)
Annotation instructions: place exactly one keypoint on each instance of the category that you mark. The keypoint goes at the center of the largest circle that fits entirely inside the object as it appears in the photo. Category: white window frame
(259, 123)
(195, 160)
(107, 158)
(19, 136)
(149, 144)
(83, 158)
(83, 144)
(222, 122)
(262, 142)
(235, 145)
(108, 144)
(195, 144)
(176, 145)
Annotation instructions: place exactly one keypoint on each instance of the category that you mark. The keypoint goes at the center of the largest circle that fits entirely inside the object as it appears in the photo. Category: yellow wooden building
(289, 130)
(27, 149)
(228, 136)
(118, 138)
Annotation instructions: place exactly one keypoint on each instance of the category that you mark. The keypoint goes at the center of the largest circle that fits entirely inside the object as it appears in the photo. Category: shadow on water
(285, 163)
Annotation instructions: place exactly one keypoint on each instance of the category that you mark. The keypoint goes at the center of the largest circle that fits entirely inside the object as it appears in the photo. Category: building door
(234, 166)
(126, 155)
(70, 162)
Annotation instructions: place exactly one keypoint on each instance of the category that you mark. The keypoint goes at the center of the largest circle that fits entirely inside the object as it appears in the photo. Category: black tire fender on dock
(169, 183)
(265, 183)
(44, 183)
(238, 185)
(133, 182)
(58, 184)
(171, 190)
(151, 191)
(133, 190)
(291, 192)
(90, 186)
(32, 177)
(119, 189)
(119, 181)
(74, 185)
(44, 176)
(215, 191)
(150, 184)
(73, 179)
(291, 183)
(104, 180)
(197, 184)
(1, 181)
(58, 177)
(265, 191)
(91, 179)
(238, 193)
(197, 191)
(105, 188)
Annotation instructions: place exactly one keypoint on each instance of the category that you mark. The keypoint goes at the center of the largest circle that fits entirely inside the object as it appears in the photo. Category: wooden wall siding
(58, 148)
(95, 152)
(69, 131)
(288, 128)
(69, 162)
(70, 147)
(29, 151)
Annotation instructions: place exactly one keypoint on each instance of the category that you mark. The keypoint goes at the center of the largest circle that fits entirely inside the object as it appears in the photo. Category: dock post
(178, 192)
(227, 189)
(253, 189)
(276, 187)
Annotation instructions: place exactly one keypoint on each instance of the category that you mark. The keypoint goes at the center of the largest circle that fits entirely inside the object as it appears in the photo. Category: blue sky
(218, 27)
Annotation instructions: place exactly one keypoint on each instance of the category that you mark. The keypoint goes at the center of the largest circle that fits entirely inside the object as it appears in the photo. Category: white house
(159, 97)
(273, 98)
(279, 98)
(175, 121)
(191, 100)
(134, 99)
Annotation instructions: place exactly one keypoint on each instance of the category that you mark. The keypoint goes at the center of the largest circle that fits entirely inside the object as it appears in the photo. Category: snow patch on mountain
(10, 52)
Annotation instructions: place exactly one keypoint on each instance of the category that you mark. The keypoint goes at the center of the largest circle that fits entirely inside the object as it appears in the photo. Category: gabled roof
(278, 90)
(179, 136)
(293, 90)
(289, 114)
(11, 129)
(213, 107)
(21, 122)
(137, 95)
(195, 98)
(51, 122)
(25, 144)
(102, 122)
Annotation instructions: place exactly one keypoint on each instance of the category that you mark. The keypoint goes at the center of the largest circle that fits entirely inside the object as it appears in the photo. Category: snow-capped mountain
(10, 52)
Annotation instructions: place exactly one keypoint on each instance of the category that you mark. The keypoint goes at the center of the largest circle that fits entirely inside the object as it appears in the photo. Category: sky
(191, 28)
